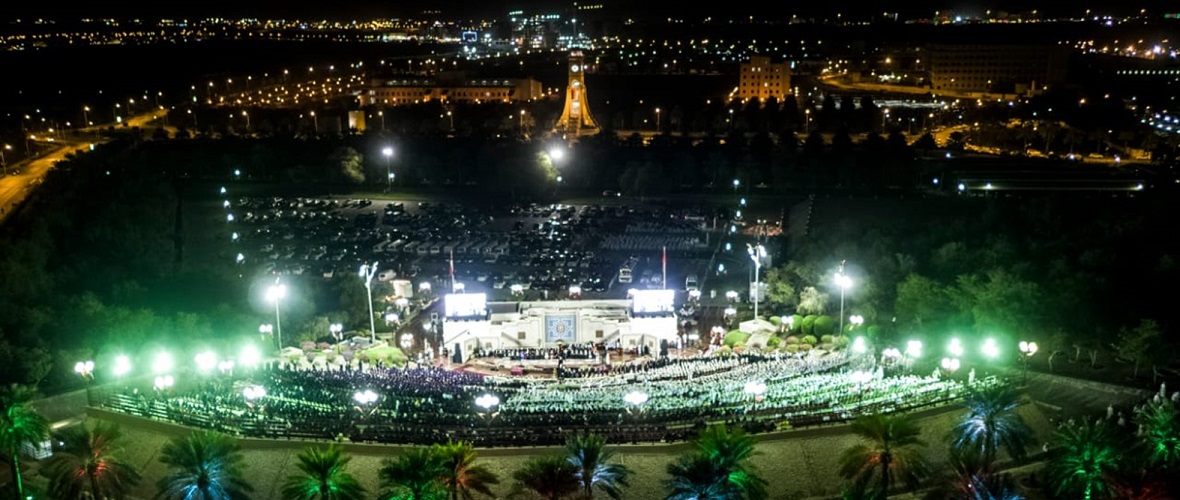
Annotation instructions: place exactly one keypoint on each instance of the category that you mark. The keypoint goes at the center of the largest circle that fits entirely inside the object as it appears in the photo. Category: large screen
(652, 301)
(466, 305)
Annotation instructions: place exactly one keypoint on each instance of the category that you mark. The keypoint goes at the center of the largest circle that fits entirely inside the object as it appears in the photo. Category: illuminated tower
(575, 116)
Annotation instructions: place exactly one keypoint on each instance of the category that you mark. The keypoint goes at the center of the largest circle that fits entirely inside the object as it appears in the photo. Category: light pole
(364, 399)
(247, 116)
(387, 152)
(757, 253)
(315, 122)
(85, 369)
(85, 116)
(635, 399)
(451, 117)
(4, 161)
(736, 183)
(337, 331)
(275, 293)
(842, 281)
(366, 273)
(1028, 348)
(657, 120)
(522, 130)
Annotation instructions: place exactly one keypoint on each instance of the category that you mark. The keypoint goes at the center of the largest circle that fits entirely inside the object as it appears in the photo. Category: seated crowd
(428, 405)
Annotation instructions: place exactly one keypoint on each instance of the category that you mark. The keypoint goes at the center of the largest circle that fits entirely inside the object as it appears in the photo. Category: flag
(665, 268)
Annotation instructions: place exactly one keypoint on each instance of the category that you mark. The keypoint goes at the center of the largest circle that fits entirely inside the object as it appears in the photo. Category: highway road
(16, 187)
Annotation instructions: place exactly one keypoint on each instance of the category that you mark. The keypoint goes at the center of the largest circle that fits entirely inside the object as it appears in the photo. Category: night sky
(349, 9)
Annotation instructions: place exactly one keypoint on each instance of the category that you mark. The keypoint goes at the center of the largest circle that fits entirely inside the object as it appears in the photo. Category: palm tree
(19, 424)
(323, 477)
(206, 465)
(413, 475)
(460, 474)
(588, 454)
(991, 422)
(89, 462)
(552, 477)
(1085, 457)
(1161, 432)
(718, 467)
(970, 477)
(890, 451)
(695, 477)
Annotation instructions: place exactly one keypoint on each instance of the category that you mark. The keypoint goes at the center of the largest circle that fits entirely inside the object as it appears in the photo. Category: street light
(756, 389)
(955, 348)
(757, 253)
(275, 293)
(337, 331)
(3, 161)
(387, 152)
(206, 362)
(1028, 348)
(736, 183)
(315, 121)
(636, 399)
(990, 348)
(487, 402)
(122, 365)
(85, 369)
(657, 120)
(842, 281)
(364, 399)
(366, 273)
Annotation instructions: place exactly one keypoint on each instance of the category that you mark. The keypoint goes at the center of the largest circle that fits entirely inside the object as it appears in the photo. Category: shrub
(807, 326)
(842, 341)
(824, 325)
(809, 340)
(776, 320)
(736, 337)
(827, 346)
(773, 342)
(804, 347)
(827, 339)
(724, 351)
(796, 322)
(791, 339)
(793, 348)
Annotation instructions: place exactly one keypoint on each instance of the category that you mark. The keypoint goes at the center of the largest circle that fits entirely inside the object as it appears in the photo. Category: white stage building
(470, 322)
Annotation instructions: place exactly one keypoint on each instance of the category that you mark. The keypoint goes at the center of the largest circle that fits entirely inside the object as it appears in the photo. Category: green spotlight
(162, 363)
(122, 365)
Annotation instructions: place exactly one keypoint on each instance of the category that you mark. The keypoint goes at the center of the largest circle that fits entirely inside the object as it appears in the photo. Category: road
(16, 187)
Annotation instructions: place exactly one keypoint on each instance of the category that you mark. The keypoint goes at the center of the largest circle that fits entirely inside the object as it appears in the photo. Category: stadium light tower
(366, 273)
(275, 293)
(757, 253)
(842, 281)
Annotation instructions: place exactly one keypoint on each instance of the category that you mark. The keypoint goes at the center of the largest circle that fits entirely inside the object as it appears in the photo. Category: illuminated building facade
(762, 79)
(995, 68)
(449, 87)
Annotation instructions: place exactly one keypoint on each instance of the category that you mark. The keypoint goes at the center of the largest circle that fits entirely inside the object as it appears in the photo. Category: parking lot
(544, 249)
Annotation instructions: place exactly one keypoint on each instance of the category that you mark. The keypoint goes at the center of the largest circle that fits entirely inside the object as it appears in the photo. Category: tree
(349, 164)
(991, 422)
(1057, 343)
(20, 424)
(1084, 458)
(89, 461)
(552, 477)
(812, 301)
(695, 477)
(969, 478)
(890, 452)
(204, 465)
(412, 475)
(588, 454)
(1161, 432)
(717, 468)
(926, 142)
(460, 474)
(1139, 343)
(322, 476)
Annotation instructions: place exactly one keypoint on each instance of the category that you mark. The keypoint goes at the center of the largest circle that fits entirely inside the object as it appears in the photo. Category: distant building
(452, 86)
(996, 68)
(762, 79)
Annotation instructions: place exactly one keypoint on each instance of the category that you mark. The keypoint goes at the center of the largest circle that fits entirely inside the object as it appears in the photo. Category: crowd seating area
(428, 405)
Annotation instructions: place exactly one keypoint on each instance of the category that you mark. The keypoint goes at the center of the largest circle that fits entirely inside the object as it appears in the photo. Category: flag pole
(665, 269)
(452, 271)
